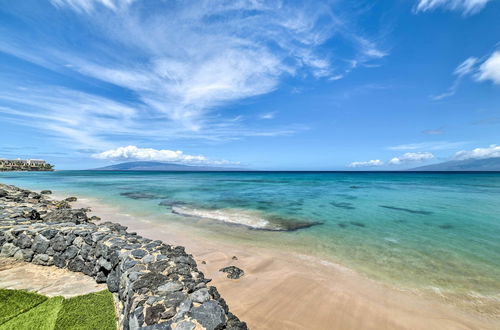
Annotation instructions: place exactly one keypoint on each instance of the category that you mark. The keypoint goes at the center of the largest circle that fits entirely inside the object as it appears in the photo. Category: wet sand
(289, 291)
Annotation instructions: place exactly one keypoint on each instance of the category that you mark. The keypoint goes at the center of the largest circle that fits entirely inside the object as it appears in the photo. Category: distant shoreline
(281, 171)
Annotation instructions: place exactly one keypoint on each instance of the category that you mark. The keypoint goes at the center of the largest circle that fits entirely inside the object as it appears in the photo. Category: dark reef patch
(171, 202)
(343, 205)
(138, 195)
(406, 210)
(283, 224)
(346, 196)
(254, 181)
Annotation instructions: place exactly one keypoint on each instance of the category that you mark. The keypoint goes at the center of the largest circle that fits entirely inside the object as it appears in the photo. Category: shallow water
(425, 230)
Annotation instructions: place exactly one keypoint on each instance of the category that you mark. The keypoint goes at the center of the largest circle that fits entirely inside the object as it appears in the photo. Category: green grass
(41, 317)
(26, 310)
(15, 302)
(93, 311)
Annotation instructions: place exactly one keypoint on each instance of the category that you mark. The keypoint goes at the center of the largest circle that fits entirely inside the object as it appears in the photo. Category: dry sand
(289, 291)
(50, 281)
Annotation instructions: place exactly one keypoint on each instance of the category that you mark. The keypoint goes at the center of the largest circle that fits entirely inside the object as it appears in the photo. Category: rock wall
(158, 285)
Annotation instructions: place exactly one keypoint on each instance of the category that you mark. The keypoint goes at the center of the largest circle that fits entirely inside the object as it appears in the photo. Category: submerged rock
(169, 202)
(343, 205)
(138, 195)
(233, 272)
(406, 210)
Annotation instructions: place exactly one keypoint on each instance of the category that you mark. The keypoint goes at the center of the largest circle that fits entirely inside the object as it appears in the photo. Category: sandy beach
(290, 291)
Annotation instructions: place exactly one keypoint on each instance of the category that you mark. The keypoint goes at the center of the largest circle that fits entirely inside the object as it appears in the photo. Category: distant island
(25, 165)
(488, 164)
(161, 166)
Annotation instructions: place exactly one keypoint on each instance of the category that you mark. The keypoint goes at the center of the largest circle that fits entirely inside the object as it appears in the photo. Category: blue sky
(312, 85)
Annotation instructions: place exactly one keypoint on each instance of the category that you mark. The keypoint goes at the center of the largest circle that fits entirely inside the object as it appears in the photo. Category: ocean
(417, 231)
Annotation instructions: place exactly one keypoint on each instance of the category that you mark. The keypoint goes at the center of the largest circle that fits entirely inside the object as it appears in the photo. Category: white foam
(236, 216)
(391, 239)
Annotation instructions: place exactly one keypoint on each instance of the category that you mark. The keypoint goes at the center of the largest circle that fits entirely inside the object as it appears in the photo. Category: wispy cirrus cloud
(82, 118)
(85, 120)
(180, 61)
(90, 5)
(436, 145)
(487, 121)
(437, 131)
(464, 69)
(467, 7)
(268, 115)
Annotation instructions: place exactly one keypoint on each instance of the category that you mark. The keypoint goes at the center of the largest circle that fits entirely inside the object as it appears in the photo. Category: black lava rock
(233, 272)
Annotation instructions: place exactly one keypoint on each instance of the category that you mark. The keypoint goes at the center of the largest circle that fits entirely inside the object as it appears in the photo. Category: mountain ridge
(487, 164)
(162, 166)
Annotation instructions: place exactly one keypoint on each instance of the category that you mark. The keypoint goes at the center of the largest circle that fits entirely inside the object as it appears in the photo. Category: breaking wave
(251, 219)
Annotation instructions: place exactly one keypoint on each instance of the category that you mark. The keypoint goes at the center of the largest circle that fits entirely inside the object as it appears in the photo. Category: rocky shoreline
(158, 286)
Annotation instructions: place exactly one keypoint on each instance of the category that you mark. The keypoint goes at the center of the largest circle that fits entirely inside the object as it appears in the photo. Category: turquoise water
(415, 230)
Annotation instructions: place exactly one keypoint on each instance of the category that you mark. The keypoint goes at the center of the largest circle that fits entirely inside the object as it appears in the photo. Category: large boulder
(77, 216)
(210, 315)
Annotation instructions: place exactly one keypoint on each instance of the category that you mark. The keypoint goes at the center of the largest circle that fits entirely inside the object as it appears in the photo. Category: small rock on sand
(233, 272)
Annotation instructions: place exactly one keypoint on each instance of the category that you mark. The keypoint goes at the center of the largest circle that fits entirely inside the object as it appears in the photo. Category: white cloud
(465, 6)
(490, 69)
(129, 153)
(410, 157)
(369, 163)
(479, 153)
(268, 115)
(437, 145)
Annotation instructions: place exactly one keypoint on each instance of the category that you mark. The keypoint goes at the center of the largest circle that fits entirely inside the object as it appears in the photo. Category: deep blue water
(418, 230)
